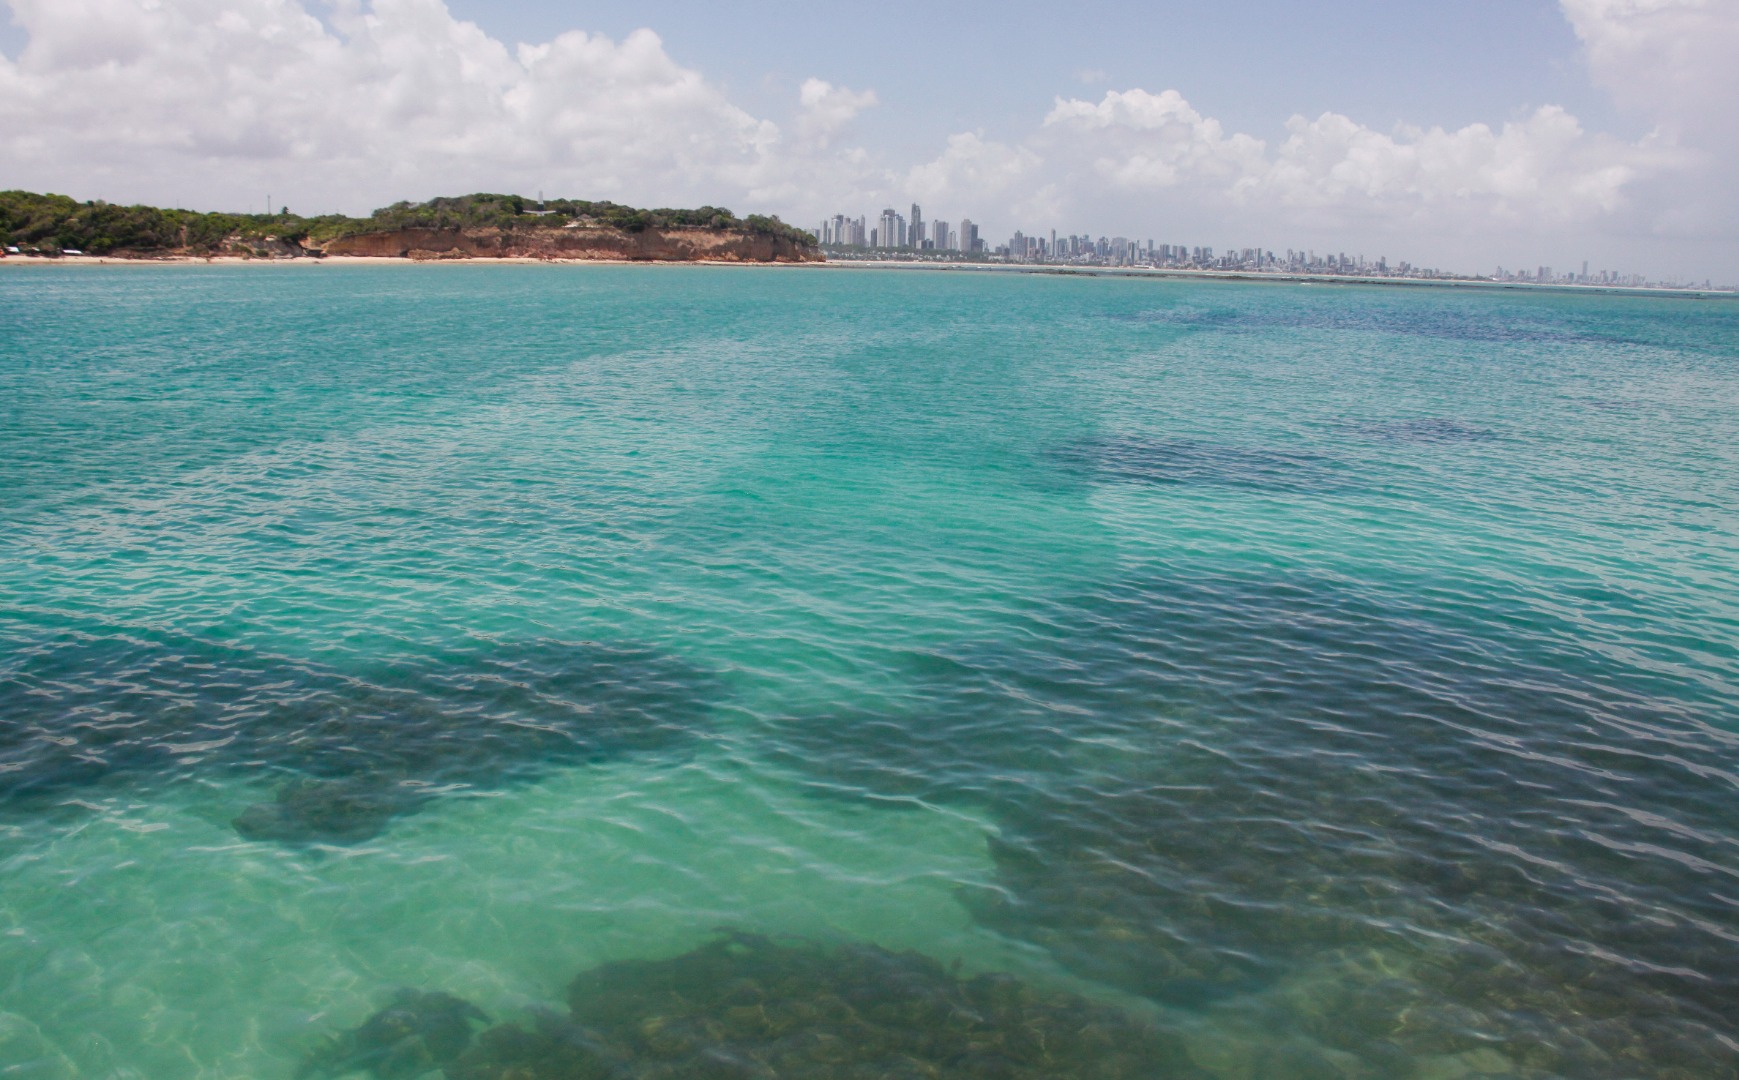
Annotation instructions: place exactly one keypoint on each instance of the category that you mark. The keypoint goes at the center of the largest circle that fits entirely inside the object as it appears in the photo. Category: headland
(54, 227)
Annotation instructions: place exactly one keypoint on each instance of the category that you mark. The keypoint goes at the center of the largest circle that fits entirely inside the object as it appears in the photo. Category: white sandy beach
(992, 268)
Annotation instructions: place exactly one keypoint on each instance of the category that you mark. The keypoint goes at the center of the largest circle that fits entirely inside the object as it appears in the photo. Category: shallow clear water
(1345, 681)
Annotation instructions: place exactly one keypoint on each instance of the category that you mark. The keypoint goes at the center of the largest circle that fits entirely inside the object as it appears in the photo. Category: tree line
(51, 224)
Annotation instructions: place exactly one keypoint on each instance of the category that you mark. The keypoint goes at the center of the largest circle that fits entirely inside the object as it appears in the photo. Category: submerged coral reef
(348, 749)
(306, 810)
(416, 1033)
(1383, 844)
(747, 1006)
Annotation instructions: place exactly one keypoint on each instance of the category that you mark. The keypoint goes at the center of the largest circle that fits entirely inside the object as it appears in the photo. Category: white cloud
(201, 100)
(828, 108)
(971, 169)
(1137, 139)
(1542, 166)
(1671, 62)
(1674, 60)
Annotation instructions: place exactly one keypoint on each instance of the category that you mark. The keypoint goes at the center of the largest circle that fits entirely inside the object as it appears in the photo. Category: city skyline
(896, 234)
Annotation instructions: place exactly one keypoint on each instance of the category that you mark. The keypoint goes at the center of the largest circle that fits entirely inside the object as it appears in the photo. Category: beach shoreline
(1131, 272)
(1139, 272)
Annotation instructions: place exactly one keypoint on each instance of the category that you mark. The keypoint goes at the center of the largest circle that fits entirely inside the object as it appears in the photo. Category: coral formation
(363, 744)
(416, 1033)
(749, 1007)
(334, 811)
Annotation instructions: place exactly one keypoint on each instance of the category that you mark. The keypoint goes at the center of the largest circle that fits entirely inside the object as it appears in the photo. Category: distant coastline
(510, 229)
(1279, 277)
(55, 227)
(885, 266)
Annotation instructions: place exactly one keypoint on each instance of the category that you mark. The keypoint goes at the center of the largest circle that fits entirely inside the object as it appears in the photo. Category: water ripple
(1339, 681)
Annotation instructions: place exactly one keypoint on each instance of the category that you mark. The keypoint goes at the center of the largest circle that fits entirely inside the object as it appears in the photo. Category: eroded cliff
(458, 227)
(585, 242)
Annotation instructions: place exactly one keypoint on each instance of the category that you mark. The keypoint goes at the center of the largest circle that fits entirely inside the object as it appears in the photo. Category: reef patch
(747, 1006)
(362, 745)
(1421, 430)
(416, 1033)
(306, 810)
(1142, 459)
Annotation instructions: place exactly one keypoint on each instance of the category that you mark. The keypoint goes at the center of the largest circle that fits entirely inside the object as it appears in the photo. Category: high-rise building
(892, 230)
(844, 231)
(969, 241)
(915, 230)
(939, 235)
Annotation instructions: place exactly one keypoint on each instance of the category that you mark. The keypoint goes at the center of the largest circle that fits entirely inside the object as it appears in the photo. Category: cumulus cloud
(1541, 168)
(197, 100)
(972, 168)
(1670, 59)
(1541, 165)
(1671, 63)
(828, 108)
(1137, 139)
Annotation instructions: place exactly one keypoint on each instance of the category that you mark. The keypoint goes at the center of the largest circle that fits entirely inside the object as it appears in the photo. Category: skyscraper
(892, 230)
(939, 235)
(968, 236)
(915, 231)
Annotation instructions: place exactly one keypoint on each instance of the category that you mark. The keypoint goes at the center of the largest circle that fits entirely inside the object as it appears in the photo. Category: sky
(1465, 135)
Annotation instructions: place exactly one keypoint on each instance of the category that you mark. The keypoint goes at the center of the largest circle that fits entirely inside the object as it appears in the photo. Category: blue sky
(1465, 135)
(965, 65)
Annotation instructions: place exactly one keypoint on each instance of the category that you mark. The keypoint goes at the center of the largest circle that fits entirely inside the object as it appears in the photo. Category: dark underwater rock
(1111, 921)
(327, 811)
(416, 1033)
(1426, 430)
(555, 1046)
(77, 712)
(1346, 819)
(750, 1008)
(1142, 459)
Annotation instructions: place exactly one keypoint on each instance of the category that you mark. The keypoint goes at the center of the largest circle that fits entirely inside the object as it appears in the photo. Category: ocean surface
(1296, 681)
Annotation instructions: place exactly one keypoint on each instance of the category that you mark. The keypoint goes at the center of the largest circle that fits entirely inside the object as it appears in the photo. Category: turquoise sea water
(1343, 681)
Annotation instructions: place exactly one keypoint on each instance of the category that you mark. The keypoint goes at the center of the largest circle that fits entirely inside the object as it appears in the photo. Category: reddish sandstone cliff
(586, 242)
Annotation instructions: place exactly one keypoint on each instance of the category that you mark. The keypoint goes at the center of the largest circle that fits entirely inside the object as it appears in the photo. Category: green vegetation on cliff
(51, 224)
(55, 223)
